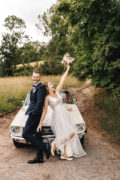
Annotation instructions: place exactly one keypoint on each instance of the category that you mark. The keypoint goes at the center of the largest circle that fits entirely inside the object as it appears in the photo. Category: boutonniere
(33, 89)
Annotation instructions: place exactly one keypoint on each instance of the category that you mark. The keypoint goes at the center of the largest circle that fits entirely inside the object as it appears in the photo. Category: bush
(94, 35)
(109, 115)
(51, 67)
(23, 71)
(98, 42)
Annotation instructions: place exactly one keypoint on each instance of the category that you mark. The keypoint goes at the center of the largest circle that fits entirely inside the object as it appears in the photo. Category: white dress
(63, 127)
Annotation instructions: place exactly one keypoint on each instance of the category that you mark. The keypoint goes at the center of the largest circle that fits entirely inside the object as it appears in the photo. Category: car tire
(82, 140)
(17, 144)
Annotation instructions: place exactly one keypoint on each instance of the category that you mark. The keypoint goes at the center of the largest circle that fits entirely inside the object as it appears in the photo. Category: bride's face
(50, 86)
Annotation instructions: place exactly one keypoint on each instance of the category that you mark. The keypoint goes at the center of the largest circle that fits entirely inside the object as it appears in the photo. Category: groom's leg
(29, 134)
(37, 142)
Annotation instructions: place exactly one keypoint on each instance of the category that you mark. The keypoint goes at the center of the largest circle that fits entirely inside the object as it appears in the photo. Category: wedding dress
(63, 127)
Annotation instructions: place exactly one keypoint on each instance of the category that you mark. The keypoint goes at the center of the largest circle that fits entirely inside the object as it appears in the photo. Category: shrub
(51, 67)
(23, 71)
(109, 115)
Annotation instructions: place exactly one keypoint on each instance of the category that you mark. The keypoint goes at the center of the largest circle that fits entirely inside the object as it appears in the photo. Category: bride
(66, 138)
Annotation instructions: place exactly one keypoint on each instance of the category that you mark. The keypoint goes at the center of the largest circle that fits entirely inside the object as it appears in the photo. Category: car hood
(72, 110)
(20, 118)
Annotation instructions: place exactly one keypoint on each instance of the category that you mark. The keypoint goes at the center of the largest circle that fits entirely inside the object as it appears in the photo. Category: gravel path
(102, 161)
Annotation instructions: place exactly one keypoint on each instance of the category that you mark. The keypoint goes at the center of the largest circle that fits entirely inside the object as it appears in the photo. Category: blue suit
(37, 96)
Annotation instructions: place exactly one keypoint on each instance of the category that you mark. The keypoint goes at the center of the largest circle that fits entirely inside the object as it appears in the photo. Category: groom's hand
(39, 128)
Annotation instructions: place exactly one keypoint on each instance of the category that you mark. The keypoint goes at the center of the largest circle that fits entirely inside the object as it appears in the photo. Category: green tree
(96, 25)
(51, 67)
(10, 44)
(53, 24)
(90, 29)
(32, 51)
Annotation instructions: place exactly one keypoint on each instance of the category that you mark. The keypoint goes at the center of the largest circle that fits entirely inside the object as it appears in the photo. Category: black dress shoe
(35, 160)
(47, 150)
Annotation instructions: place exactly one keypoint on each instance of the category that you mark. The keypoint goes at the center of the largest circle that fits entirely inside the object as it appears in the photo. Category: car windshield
(67, 98)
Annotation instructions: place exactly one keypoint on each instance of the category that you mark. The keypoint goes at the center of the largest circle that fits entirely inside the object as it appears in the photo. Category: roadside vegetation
(109, 113)
(14, 89)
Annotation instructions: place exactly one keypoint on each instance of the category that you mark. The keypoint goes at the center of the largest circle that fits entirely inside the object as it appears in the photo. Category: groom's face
(35, 78)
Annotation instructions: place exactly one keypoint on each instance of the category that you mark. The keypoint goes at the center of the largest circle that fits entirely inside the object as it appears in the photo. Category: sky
(28, 10)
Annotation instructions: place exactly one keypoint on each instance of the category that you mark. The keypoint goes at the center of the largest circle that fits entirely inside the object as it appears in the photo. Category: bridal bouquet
(67, 59)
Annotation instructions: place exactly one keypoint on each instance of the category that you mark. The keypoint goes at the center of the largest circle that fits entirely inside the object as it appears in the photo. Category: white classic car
(19, 121)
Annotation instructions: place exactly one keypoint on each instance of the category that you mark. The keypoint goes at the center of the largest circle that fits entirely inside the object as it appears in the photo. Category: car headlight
(15, 129)
(80, 127)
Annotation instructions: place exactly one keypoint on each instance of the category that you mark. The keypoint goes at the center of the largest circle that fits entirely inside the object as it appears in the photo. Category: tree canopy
(9, 44)
(89, 30)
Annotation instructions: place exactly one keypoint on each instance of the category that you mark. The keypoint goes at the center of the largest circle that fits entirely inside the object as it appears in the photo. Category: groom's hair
(36, 71)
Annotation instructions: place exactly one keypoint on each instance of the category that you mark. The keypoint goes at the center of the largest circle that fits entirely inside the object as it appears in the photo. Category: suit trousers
(30, 134)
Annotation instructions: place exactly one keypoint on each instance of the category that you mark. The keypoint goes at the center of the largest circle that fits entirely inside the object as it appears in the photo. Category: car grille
(47, 134)
(46, 130)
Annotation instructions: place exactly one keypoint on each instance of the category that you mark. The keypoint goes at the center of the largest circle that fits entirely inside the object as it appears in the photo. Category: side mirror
(23, 102)
(74, 100)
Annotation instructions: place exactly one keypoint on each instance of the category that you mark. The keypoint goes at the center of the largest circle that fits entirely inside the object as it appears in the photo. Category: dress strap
(56, 92)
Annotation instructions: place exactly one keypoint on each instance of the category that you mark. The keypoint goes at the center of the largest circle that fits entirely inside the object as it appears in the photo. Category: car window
(67, 98)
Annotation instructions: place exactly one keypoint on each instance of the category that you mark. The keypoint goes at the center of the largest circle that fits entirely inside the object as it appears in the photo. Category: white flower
(67, 59)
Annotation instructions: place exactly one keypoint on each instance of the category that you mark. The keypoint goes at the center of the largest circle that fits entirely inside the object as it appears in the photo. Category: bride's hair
(46, 86)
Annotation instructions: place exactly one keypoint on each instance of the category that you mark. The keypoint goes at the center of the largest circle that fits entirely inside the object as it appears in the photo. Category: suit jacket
(37, 96)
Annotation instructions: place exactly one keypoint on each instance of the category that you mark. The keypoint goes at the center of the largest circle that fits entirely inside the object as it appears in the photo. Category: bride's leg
(67, 139)
(53, 148)
(71, 136)
(64, 142)
(65, 155)
(65, 149)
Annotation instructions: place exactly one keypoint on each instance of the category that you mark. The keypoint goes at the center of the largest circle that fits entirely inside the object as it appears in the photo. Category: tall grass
(109, 114)
(14, 89)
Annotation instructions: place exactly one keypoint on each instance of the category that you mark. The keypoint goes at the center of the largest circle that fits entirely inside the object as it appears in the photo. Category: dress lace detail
(63, 127)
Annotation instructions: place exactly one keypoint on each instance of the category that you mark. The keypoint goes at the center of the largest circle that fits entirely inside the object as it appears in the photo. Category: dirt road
(102, 161)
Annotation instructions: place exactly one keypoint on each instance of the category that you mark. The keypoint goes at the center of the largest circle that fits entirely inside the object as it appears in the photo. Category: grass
(109, 114)
(14, 89)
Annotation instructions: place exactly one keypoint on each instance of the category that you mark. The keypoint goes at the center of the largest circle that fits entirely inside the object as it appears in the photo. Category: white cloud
(28, 10)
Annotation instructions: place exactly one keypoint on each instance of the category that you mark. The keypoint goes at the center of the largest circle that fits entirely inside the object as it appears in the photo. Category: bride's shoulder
(47, 98)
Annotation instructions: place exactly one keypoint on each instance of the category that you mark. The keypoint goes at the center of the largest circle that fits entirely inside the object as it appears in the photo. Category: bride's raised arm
(61, 83)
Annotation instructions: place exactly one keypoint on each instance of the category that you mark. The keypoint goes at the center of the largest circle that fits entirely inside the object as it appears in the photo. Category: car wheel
(17, 144)
(82, 140)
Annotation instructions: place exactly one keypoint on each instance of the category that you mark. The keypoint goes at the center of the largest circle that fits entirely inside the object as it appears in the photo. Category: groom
(37, 96)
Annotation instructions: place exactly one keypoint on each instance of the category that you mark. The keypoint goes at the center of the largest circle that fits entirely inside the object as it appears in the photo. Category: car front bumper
(48, 138)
